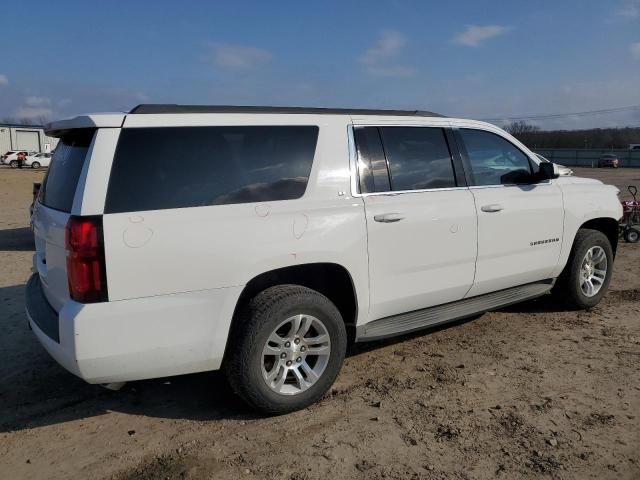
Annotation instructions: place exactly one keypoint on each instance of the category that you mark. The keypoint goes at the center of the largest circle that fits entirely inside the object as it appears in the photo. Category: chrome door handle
(494, 207)
(388, 217)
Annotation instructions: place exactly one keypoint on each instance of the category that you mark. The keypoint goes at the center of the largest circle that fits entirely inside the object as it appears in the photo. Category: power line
(563, 115)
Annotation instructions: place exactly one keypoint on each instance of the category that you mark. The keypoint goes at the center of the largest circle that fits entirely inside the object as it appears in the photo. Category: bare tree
(26, 121)
(523, 131)
(521, 128)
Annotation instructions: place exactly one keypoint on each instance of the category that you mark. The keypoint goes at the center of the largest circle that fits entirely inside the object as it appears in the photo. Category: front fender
(585, 201)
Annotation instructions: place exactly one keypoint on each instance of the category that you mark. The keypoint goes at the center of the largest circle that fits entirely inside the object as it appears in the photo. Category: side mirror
(548, 171)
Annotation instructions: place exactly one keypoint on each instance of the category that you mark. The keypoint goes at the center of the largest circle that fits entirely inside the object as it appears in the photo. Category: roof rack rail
(151, 108)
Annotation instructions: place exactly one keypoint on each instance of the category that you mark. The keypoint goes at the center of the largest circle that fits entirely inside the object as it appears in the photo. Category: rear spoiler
(99, 120)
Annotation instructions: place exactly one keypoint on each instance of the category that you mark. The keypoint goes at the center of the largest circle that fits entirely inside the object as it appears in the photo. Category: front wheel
(285, 349)
(587, 274)
(35, 165)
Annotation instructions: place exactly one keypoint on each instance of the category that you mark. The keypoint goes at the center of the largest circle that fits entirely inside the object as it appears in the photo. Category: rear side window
(59, 186)
(418, 157)
(373, 174)
(162, 168)
(403, 159)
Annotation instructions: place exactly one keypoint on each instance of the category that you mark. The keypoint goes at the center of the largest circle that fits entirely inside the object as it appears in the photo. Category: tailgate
(51, 256)
(52, 211)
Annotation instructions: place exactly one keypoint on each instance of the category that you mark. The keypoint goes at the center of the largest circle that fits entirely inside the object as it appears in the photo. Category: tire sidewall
(592, 239)
(264, 324)
(35, 165)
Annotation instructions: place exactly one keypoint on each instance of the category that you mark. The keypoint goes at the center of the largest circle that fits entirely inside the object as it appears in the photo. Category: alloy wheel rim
(593, 271)
(295, 354)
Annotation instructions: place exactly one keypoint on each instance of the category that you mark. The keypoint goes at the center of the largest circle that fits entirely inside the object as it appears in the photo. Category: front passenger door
(520, 223)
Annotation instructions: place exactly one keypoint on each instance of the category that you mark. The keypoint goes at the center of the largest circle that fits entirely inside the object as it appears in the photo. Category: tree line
(31, 121)
(534, 137)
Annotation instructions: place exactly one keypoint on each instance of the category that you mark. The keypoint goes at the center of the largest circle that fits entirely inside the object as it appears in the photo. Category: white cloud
(4, 80)
(33, 113)
(635, 50)
(629, 9)
(141, 97)
(381, 58)
(475, 35)
(34, 108)
(37, 101)
(237, 56)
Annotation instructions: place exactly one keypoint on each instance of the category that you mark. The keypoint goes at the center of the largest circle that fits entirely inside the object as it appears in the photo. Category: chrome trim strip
(403, 192)
(353, 162)
(353, 167)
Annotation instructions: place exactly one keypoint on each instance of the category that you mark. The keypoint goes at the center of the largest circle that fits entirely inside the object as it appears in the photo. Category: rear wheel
(587, 274)
(35, 165)
(14, 164)
(285, 349)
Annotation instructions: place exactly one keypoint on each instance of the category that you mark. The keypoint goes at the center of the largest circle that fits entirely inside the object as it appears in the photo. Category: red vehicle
(608, 160)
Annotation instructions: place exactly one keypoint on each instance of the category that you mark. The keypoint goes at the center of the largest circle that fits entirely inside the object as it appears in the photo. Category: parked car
(294, 232)
(608, 160)
(13, 157)
(562, 170)
(4, 159)
(38, 160)
(634, 146)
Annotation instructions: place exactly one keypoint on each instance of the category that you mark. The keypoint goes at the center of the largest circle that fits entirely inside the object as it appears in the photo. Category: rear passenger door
(421, 218)
(520, 221)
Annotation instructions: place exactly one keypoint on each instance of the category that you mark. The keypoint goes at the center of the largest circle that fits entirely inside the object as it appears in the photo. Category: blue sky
(479, 59)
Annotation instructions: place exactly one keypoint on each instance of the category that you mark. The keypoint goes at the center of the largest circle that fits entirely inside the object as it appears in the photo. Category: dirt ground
(527, 392)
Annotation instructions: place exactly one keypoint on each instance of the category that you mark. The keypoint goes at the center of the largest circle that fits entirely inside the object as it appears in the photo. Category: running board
(432, 316)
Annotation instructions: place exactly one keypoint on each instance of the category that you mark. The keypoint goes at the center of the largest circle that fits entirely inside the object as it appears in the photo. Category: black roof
(171, 108)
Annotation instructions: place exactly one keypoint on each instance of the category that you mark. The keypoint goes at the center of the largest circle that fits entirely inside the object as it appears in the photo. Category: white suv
(179, 239)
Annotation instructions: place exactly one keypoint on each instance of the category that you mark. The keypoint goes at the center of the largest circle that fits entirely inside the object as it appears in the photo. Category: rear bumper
(40, 311)
(134, 339)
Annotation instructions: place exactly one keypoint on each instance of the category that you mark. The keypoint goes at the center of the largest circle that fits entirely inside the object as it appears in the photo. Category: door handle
(388, 217)
(494, 207)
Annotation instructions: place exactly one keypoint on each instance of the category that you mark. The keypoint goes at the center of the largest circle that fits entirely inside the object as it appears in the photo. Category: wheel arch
(608, 226)
(330, 279)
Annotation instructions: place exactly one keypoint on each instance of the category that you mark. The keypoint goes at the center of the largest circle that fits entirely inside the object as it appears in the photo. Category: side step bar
(432, 316)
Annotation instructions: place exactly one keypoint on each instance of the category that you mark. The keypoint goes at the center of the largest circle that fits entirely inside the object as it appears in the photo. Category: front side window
(494, 160)
(418, 157)
(166, 167)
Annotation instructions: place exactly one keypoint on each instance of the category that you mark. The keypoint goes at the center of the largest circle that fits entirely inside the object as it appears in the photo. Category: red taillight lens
(85, 260)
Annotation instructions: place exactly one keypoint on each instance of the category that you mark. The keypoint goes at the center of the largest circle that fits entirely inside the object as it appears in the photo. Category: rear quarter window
(166, 167)
(59, 186)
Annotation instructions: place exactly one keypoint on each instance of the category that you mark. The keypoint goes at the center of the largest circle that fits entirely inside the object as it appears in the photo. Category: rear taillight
(85, 260)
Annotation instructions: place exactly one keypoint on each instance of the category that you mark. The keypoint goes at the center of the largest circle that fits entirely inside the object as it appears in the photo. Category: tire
(14, 164)
(570, 287)
(246, 364)
(632, 235)
(35, 165)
